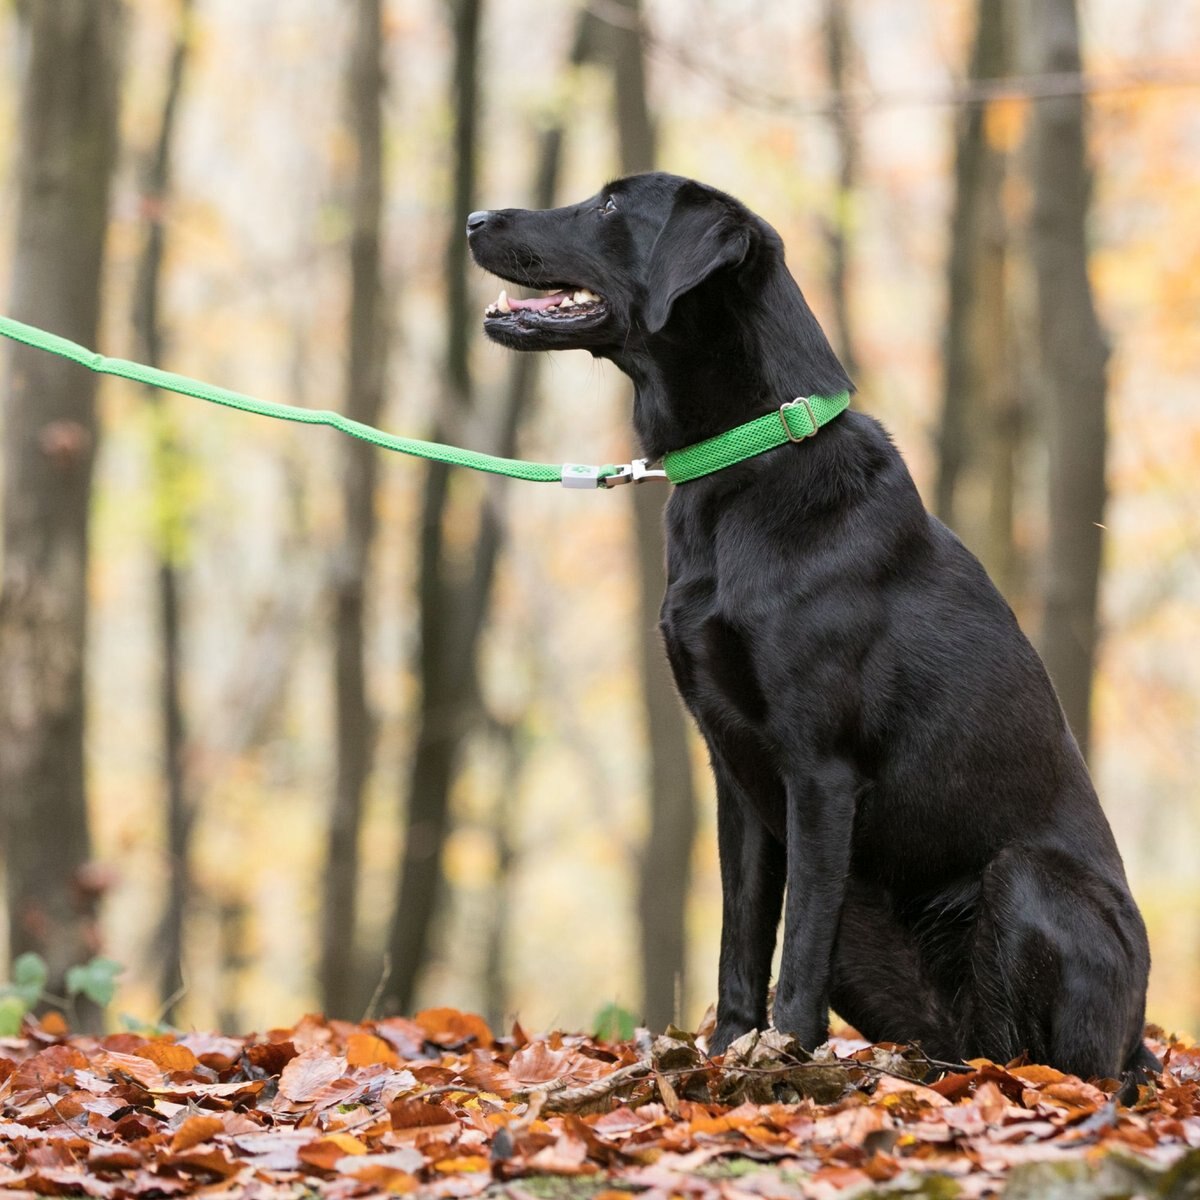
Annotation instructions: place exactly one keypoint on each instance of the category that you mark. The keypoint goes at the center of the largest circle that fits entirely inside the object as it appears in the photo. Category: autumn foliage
(437, 1105)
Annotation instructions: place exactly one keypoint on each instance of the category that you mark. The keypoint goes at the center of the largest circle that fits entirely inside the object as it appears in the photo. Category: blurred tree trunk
(665, 869)
(169, 530)
(341, 990)
(68, 138)
(1074, 357)
(495, 965)
(981, 421)
(839, 47)
(450, 600)
(232, 918)
(522, 386)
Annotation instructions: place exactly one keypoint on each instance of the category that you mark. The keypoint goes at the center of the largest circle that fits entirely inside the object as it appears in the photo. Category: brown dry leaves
(436, 1106)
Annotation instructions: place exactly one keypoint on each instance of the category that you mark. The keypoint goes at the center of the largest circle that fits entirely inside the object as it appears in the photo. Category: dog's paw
(726, 1033)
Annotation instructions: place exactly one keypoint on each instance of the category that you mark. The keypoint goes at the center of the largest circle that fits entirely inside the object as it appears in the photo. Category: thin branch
(384, 975)
(443, 1089)
(1015, 87)
(559, 1097)
(83, 1132)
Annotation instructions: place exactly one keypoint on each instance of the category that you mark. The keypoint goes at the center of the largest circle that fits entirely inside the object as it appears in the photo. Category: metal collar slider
(799, 400)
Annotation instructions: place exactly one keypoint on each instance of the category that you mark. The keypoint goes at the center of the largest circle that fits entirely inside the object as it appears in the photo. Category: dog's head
(616, 268)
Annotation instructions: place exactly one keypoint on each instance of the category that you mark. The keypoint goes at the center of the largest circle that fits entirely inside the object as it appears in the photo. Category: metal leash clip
(638, 471)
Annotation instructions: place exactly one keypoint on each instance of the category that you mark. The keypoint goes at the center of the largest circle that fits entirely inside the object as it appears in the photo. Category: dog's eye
(608, 207)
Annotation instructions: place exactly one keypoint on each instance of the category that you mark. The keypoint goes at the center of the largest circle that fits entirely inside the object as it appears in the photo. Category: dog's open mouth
(562, 304)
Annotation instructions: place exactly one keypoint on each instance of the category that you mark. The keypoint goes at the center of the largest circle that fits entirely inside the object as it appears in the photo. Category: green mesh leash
(569, 474)
(795, 421)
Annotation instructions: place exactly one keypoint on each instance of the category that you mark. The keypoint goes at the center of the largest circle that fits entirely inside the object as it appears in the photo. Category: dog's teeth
(585, 297)
(502, 302)
(566, 302)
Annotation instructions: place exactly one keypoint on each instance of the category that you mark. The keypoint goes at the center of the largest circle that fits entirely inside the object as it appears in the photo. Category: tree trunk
(522, 385)
(448, 623)
(665, 868)
(1074, 356)
(169, 531)
(1000, 393)
(340, 988)
(838, 49)
(974, 191)
(68, 136)
(232, 918)
(504, 817)
(979, 439)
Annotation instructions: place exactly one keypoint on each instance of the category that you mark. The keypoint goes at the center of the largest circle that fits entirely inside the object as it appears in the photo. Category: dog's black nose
(476, 221)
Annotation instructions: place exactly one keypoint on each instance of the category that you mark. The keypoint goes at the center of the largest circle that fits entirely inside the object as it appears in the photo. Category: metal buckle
(638, 471)
(791, 437)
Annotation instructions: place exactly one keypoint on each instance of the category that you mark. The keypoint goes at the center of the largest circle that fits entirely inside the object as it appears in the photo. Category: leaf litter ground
(438, 1106)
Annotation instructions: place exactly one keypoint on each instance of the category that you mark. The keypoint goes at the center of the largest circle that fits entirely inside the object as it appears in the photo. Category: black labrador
(886, 742)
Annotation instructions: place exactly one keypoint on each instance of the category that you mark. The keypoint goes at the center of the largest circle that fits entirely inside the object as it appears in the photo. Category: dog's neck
(716, 366)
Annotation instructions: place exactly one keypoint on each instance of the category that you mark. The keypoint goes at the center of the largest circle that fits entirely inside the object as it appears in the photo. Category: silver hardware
(791, 437)
(638, 471)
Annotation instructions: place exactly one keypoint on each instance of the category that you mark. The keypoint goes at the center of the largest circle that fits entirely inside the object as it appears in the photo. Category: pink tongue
(537, 303)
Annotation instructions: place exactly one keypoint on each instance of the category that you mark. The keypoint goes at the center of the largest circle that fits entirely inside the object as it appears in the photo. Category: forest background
(364, 732)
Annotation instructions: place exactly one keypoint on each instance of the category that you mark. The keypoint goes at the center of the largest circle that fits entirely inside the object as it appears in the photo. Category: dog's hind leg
(880, 983)
(1059, 961)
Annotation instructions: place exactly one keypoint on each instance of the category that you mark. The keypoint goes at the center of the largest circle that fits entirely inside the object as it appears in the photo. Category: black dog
(885, 740)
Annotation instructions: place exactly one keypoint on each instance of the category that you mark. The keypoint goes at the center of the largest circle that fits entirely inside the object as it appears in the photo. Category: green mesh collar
(792, 422)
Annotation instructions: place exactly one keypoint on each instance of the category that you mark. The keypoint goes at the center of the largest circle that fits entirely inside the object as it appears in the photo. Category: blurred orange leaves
(338, 1110)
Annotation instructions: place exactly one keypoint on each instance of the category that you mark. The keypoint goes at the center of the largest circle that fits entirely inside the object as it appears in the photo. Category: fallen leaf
(406, 1037)
(213, 1050)
(1074, 1095)
(50, 1181)
(419, 1114)
(54, 1024)
(365, 1049)
(129, 1066)
(194, 1131)
(379, 1176)
(325, 1153)
(566, 1156)
(537, 1063)
(309, 1072)
(470, 1162)
(1037, 1075)
(215, 1160)
(406, 1160)
(275, 1150)
(449, 1027)
(168, 1056)
(46, 1068)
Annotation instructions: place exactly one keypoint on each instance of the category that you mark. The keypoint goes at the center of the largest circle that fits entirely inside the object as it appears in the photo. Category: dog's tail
(1141, 1064)
(1142, 1059)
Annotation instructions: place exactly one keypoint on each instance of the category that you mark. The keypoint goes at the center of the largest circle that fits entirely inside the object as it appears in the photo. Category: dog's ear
(702, 235)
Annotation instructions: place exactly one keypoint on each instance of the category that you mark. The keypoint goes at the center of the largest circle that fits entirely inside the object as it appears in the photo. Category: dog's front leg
(753, 871)
(820, 823)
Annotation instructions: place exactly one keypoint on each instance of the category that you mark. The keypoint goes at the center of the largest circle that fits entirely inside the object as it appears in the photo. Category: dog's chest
(712, 626)
(754, 620)
(712, 656)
